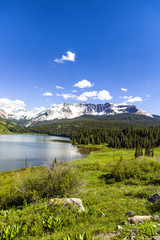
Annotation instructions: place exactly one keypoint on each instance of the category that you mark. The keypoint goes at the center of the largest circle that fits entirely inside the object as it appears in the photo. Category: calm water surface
(38, 148)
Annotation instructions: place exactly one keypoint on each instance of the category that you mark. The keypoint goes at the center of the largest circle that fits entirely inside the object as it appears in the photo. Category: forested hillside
(10, 127)
(120, 131)
(70, 126)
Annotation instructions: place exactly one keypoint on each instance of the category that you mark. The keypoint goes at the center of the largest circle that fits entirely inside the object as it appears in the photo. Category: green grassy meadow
(106, 200)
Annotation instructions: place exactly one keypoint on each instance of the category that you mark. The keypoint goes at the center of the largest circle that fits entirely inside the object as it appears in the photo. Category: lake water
(39, 149)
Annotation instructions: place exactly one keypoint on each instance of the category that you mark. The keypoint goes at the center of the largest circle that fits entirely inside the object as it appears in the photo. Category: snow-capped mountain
(69, 111)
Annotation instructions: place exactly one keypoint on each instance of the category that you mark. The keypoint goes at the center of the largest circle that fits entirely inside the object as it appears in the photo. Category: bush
(140, 168)
(58, 180)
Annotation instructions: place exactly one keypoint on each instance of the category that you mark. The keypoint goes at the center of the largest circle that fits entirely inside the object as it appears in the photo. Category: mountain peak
(69, 111)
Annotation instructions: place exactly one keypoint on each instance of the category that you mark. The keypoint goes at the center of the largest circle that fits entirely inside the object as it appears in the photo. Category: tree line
(117, 138)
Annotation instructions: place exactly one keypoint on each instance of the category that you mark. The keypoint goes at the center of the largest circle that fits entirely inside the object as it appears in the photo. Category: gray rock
(156, 238)
(137, 219)
(129, 214)
(119, 227)
(156, 218)
(154, 198)
(76, 202)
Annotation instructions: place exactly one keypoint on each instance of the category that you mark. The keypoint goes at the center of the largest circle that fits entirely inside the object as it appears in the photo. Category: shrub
(58, 180)
(140, 168)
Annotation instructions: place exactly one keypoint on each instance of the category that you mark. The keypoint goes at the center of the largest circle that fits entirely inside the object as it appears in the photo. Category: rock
(103, 215)
(76, 202)
(156, 218)
(119, 227)
(156, 238)
(154, 198)
(129, 214)
(123, 223)
(137, 219)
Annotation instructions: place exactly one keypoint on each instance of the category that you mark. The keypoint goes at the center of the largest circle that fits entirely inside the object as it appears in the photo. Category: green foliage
(10, 232)
(83, 236)
(58, 180)
(105, 204)
(116, 134)
(141, 168)
(33, 184)
(10, 127)
(53, 223)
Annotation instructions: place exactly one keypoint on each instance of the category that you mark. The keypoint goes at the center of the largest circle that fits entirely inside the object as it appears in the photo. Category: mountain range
(69, 111)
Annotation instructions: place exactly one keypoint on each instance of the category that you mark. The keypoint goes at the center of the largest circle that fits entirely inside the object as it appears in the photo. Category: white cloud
(69, 57)
(124, 89)
(12, 105)
(83, 84)
(126, 97)
(84, 96)
(74, 91)
(104, 95)
(135, 99)
(6, 102)
(48, 94)
(59, 87)
(148, 96)
(66, 96)
(35, 86)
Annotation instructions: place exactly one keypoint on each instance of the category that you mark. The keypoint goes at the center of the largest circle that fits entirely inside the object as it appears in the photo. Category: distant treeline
(134, 131)
(117, 138)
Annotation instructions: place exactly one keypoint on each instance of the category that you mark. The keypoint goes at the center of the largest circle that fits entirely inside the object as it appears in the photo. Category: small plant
(5, 213)
(53, 223)
(83, 236)
(10, 232)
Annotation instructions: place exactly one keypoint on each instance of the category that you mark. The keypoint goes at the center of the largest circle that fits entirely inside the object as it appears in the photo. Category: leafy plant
(83, 236)
(10, 232)
(53, 223)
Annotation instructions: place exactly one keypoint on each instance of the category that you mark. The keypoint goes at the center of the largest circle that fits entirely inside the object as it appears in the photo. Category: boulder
(154, 198)
(137, 219)
(76, 202)
(156, 218)
(156, 238)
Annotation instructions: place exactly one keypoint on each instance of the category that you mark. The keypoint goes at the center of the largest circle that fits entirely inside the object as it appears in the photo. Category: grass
(105, 204)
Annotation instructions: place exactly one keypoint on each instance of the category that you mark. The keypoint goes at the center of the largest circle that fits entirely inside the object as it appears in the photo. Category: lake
(39, 149)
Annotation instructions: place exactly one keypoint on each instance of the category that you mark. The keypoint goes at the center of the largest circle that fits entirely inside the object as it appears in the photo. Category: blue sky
(96, 50)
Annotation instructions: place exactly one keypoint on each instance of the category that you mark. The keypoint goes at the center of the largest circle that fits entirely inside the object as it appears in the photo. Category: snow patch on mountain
(69, 111)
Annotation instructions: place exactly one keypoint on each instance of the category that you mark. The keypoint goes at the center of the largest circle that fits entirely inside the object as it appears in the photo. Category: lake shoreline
(38, 148)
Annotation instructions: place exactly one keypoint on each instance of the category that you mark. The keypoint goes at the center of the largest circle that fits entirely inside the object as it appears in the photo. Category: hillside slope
(66, 127)
(7, 127)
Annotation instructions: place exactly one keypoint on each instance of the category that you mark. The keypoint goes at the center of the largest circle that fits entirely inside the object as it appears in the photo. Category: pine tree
(137, 151)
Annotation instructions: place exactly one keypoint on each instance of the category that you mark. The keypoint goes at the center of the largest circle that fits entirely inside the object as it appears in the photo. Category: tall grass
(58, 180)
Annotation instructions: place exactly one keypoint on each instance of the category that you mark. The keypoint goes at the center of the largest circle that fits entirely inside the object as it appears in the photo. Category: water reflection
(38, 148)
